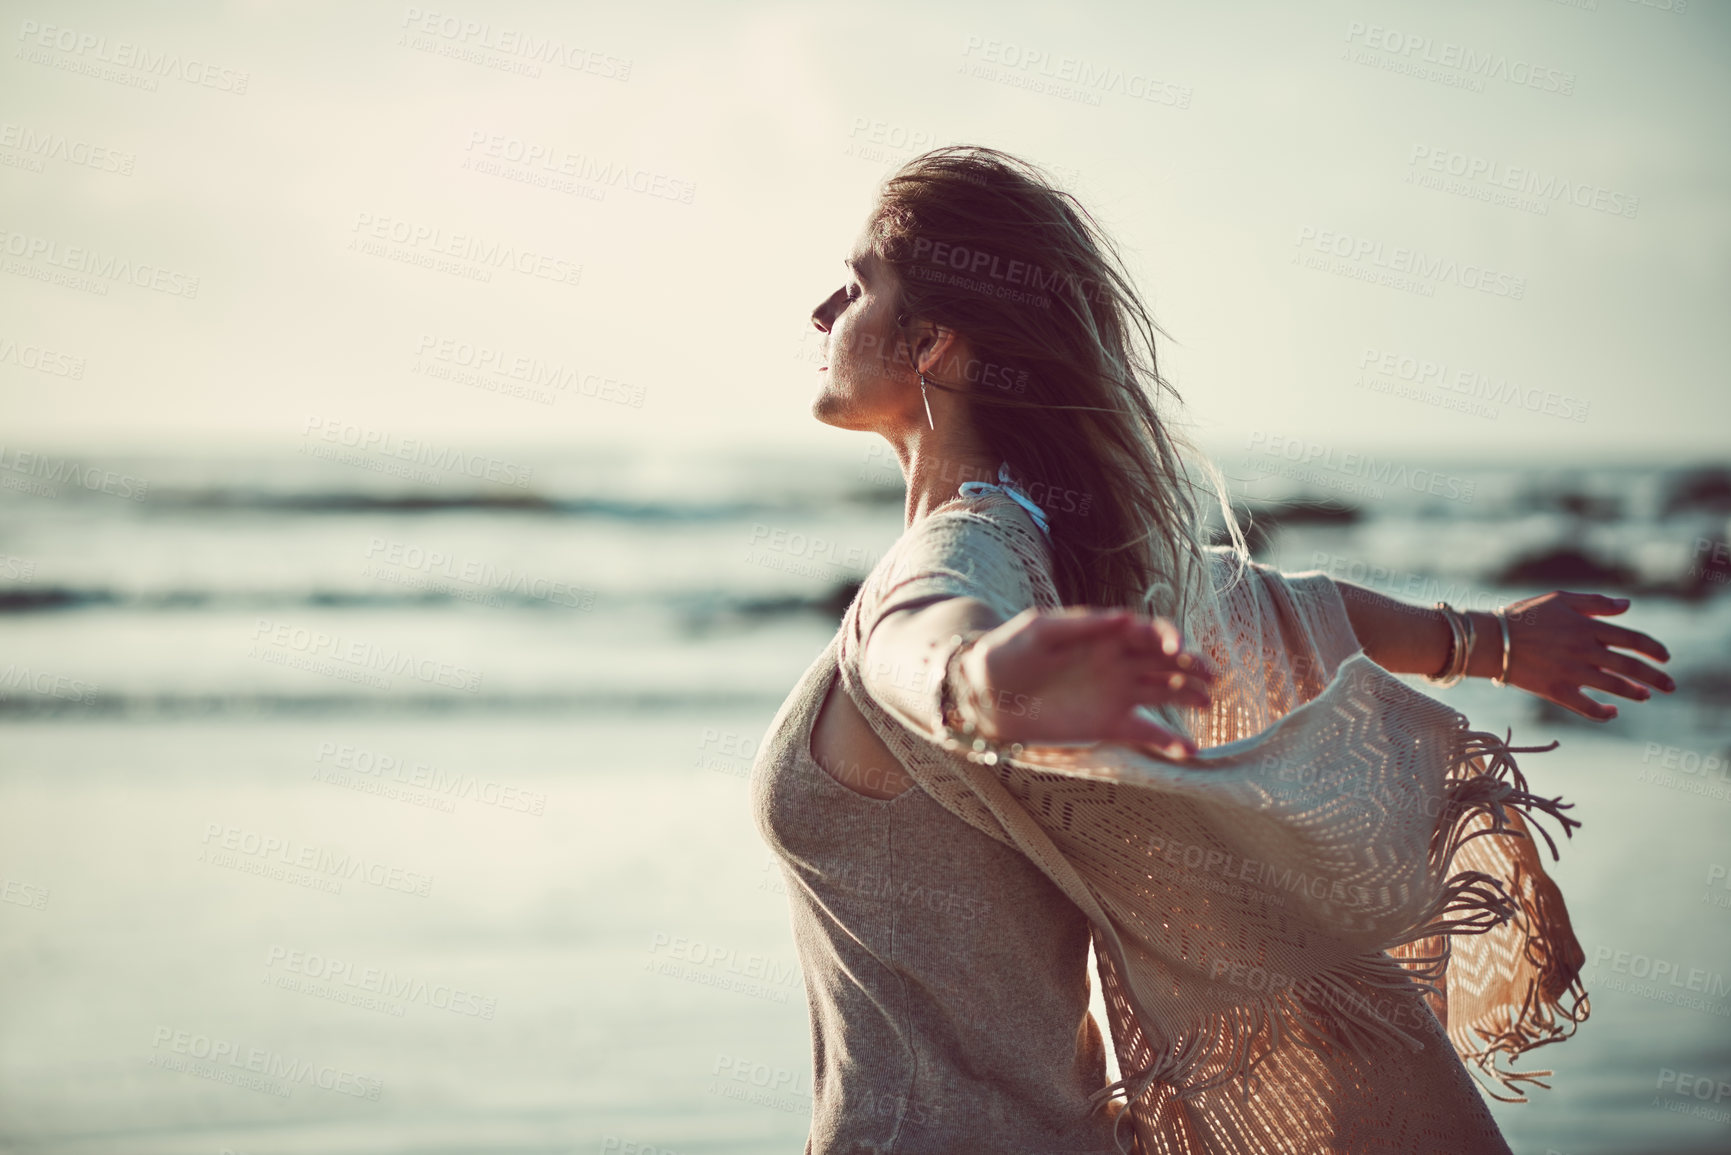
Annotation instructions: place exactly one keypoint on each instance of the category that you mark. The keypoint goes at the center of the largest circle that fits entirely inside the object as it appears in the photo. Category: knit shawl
(1342, 850)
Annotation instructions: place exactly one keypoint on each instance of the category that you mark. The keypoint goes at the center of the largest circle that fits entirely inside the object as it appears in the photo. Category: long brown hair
(1066, 379)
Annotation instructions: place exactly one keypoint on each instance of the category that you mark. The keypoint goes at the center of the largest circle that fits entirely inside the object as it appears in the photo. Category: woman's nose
(825, 312)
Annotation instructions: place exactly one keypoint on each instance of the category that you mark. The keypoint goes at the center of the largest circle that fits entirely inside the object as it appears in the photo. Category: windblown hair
(1064, 379)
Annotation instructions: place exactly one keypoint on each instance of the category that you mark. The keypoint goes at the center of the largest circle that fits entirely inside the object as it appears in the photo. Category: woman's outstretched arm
(1557, 645)
(1069, 675)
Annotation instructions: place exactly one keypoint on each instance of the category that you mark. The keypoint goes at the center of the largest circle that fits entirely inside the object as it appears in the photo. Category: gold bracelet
(1451, 671)
(1466, 650)
(1500, 613)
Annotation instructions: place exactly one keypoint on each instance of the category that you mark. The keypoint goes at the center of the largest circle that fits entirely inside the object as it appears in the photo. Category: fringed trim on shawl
(1541, 1017)
(1331, 1012)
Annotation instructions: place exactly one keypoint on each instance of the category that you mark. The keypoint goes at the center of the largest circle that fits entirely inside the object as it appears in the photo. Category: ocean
(347, 807)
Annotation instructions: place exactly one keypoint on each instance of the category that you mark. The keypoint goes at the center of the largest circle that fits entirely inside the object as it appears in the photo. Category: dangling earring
(928, 402)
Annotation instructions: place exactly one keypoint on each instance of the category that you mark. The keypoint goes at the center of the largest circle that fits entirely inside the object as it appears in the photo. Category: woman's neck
(933, 472)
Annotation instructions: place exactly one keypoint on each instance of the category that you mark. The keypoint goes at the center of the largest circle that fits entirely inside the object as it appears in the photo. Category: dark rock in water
(1568, 568)
(1707, 489)
(51, 598)
(1712, 684)
(1590, 506)
(1265, 520)
(1307, 513)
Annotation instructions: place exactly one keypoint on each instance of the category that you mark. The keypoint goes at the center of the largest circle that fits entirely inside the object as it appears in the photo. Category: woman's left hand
(1558, 645)
(1078, 674)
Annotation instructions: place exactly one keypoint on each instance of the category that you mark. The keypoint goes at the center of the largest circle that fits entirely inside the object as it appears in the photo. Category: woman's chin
(833, 410)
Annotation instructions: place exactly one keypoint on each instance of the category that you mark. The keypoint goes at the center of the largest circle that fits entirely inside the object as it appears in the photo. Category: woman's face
(867, 382)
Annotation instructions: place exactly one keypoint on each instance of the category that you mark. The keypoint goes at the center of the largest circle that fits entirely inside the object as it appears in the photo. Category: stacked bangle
(1500, 613)
(1460, 646)
(1461, 636)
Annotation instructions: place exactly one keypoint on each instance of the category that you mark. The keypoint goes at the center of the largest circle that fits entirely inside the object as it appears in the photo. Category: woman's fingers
(1161, 667)
(1158, 692)
(1637, 670)
(1612, 684)
(1137, 730)
(1139, 642)
(1627, 639)
(1170, 681)
(1073, 624)
(1585, 706)
(1594, 605)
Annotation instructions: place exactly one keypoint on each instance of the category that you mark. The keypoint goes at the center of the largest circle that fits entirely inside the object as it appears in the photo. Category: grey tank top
(946, 975)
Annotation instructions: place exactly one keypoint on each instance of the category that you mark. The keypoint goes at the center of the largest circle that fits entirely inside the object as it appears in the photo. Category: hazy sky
(1542, 185)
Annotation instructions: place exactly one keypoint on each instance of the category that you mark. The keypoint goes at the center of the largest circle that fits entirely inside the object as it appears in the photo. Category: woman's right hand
(1078, 673)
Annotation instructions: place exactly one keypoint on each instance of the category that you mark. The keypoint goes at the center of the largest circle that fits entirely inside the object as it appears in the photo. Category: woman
(944, 893)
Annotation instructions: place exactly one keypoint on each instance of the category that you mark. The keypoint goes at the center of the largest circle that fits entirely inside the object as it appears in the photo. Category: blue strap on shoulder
(975, 488)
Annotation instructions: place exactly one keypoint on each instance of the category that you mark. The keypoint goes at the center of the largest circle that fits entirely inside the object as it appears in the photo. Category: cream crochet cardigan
(1342, 846)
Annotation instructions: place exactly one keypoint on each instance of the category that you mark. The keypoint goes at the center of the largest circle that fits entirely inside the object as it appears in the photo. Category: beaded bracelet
(964, 737)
